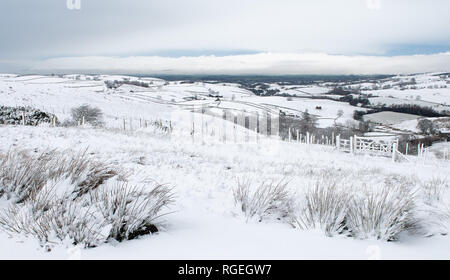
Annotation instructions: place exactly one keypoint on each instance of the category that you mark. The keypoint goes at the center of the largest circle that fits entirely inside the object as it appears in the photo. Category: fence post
(351, 145)
(338, 142)
(203, 128)
(394, 151)
(298, 136)
(289, 134)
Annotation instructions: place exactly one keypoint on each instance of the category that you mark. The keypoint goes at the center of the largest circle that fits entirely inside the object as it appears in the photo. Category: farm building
(389, 118)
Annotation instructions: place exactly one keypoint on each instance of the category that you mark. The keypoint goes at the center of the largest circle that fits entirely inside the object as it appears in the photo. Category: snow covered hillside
(258, 199)
(206, 222)
(157, 100)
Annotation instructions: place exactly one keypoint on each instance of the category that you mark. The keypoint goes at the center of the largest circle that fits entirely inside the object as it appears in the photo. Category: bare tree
(308, 122)
(426, 127)
(88, 114)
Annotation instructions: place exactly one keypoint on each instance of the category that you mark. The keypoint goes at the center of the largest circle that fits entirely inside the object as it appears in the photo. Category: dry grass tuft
(57, 196)
(269, 199)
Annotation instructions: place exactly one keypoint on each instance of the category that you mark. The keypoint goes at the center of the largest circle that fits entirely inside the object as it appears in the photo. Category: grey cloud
(259, 64)
(31, 30)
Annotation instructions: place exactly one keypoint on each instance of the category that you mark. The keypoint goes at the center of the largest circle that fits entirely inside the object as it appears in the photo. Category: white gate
(368, 145)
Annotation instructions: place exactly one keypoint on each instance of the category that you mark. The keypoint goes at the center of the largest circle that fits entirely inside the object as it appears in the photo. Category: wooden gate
(368, 145)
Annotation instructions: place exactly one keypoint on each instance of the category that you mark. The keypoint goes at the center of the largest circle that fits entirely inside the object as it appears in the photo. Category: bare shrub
(267, 200)
(88, 114)
(132, 211)
(383, 212)
(325, 208)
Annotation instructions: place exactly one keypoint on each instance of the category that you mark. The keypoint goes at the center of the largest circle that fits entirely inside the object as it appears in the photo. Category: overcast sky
(229, 37)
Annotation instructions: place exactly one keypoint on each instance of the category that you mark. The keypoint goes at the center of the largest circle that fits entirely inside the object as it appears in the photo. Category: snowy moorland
(125, 190)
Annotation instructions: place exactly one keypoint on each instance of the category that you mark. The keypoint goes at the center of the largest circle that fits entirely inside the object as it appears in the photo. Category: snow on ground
(430, 89)
(206, 223)
(433, 96)
(440, 150)
(326, 115)
(408, 125)
(301, 90)
(389, 101)
(58, 95)
(390, 118)
(441, 124)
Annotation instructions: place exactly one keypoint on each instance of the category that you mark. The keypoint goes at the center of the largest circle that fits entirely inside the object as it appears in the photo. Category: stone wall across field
(24, 115)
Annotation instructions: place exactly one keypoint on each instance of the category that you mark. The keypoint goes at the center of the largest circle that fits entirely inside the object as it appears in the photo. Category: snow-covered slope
(431, 89)
(206, 222)
(157, 101)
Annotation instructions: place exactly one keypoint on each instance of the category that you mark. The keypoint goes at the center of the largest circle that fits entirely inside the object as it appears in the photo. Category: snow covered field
(205, 222)
(428, 90)
(158, 101)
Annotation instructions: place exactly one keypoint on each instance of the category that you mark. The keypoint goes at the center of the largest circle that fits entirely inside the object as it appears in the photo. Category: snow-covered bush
(61, 196)
(63, 220)
(16, 115)
(382, 212)
(324, 207)
(269, 199)
(20, 173)
(433, 190)
(132, 211)
(23, 173)
(434, 205)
